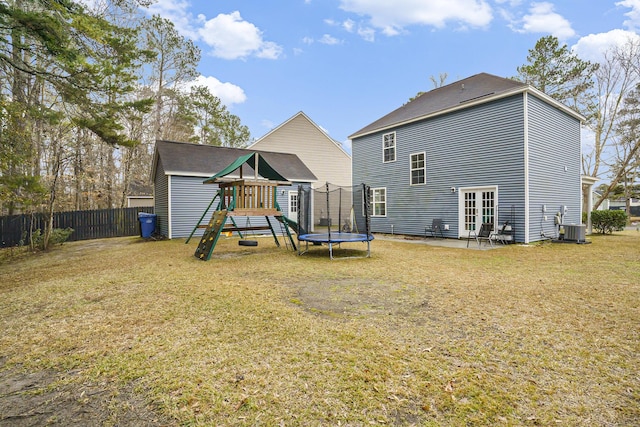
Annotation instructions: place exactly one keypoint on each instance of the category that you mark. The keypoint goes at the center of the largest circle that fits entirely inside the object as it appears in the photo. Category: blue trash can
(147, 223)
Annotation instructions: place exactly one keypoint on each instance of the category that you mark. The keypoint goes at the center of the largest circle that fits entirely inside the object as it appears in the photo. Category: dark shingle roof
(455, 95)
(139, 187)
(182, 158)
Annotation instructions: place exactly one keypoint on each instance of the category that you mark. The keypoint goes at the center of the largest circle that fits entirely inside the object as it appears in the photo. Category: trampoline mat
(335, 237)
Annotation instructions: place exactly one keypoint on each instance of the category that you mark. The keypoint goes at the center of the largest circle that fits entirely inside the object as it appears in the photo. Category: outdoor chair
(484, 234)
(435, 229)
(504, 234)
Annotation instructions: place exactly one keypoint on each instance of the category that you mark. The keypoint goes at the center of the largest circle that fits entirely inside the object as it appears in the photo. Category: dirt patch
(353, 297)
(48, 398)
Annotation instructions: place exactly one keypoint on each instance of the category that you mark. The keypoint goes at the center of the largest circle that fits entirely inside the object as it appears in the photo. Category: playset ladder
(211, 235)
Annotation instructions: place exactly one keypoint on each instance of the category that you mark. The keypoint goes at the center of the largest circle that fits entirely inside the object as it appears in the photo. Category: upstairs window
(389, 147)
(418, 169)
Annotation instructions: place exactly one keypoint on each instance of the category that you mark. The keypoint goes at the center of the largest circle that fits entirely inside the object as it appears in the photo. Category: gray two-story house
(483, 149)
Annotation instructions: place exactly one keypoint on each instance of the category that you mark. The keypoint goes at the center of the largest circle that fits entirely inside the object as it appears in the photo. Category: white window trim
(289, 194)
(424, 168)
(461, 191)
(373, 203)
(395, 147)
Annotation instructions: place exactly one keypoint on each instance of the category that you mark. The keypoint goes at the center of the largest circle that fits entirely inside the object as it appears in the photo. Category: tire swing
(247, 242)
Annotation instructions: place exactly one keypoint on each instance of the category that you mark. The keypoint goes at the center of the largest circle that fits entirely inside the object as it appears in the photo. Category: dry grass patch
(414, 335)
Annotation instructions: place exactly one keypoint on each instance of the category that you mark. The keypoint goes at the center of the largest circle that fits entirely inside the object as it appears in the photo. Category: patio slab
(445, 243)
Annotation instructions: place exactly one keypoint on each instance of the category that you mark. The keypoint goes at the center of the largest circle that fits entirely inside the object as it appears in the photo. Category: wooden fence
(94, 224)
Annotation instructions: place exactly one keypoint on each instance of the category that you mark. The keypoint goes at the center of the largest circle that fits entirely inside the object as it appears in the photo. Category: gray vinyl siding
(554, 144)
(478, 146)
(189, 199)
(161, 199)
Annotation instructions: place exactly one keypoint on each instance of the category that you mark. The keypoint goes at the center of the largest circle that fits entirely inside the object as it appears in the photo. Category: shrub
(608, 221)
(58, 236)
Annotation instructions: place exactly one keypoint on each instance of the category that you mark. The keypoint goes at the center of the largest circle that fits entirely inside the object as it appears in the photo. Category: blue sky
(346, 63)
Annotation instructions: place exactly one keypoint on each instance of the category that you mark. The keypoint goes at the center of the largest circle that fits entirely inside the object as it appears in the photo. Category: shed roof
(187, 159)
(464, 93)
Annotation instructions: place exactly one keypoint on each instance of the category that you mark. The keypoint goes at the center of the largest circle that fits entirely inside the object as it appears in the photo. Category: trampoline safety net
(333, 209)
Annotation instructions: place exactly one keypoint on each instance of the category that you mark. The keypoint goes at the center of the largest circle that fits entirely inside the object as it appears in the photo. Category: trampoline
(355, 222)
(332, 238)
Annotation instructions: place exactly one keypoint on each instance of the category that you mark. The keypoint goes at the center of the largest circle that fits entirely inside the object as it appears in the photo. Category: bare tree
(439, 82)
(611, 115)
(442, 78)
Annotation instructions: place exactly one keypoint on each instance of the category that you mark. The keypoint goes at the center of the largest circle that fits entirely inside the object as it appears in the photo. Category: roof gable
(313, 126)
(187, 159)
(464, 93)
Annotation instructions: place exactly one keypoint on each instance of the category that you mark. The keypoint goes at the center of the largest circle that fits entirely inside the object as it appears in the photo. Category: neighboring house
(139, 195)
(323, 155)
(604, 205)
(483, 149)
(139, 201)
(621, 204)
(180, 195)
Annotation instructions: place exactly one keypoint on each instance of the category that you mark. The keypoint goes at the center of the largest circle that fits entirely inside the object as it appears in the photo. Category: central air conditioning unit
(575, 233)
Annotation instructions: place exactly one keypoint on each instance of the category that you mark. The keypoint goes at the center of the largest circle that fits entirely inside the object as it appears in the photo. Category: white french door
(293, 205)
(476, 205)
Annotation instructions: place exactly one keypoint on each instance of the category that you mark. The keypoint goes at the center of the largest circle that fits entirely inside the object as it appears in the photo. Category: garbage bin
(147, 223)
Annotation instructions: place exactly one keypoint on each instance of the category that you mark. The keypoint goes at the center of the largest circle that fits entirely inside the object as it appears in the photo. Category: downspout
(589, 209)
(526, 167)
(169, 207)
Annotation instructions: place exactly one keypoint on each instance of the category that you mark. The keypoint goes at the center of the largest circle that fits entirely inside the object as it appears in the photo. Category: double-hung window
(418, 168)
(389, 147)
(379, 201)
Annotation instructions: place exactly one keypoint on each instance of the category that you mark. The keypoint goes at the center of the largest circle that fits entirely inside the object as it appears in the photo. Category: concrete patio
(440, 242)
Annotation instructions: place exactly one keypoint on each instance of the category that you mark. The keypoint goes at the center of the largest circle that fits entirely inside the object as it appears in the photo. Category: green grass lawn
(415, 335)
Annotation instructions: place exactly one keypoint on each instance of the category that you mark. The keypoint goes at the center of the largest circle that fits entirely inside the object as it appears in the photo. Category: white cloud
(593, 47)
(177, 12)
(234, 38)
(267, 124)
(512, 3)
(227, 92)
(328, 39)
(269, 50)
(348, 25)
(368, 34)
(346, 145)
(633, 23)
(393, 17)
(543, 19)
(230, 36)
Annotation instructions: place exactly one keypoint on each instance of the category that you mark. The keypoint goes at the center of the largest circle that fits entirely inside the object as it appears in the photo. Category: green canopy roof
(264, 169)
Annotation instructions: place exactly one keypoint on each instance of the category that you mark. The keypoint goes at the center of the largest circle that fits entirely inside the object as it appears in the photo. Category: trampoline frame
(333, 238)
